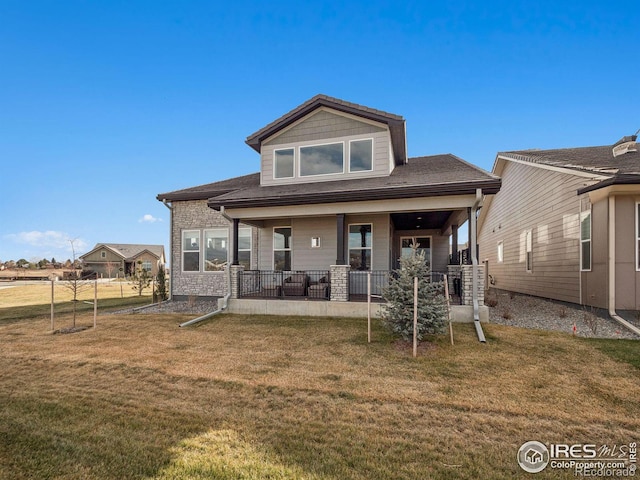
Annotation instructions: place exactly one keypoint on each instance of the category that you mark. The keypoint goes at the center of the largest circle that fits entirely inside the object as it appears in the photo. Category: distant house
(566, 225)
(336, 197)
(111, 259)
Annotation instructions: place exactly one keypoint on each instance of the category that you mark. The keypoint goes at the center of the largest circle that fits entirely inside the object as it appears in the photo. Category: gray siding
(546, 203)
(325, 127)
(303, 257)
(439, 247)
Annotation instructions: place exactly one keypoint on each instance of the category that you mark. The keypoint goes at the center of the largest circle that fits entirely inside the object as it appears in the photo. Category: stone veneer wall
(194, 215)
(340, 283)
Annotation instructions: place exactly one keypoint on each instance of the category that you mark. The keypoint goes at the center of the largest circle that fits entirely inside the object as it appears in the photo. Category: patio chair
(295, 285)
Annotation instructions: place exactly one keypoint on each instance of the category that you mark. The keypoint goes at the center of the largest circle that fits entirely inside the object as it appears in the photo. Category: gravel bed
(193, 308)
(537, 313)
(520, 310)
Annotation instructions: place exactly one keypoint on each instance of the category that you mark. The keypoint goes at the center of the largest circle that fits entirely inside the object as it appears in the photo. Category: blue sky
(105, 104)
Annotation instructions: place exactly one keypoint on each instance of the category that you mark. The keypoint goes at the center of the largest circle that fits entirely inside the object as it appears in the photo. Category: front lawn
(286, 398)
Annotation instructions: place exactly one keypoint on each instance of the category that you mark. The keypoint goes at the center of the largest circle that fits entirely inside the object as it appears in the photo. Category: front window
(585, 240)
(244, 247)
(322, 159)
(361, 155)
(146, 265)
(423, 244)
(216, 243)
(360, 246)
(282, 248)
(191, 251)
(283, 163)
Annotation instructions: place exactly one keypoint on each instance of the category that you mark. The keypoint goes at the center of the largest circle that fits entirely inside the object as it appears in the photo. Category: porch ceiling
(420, 220)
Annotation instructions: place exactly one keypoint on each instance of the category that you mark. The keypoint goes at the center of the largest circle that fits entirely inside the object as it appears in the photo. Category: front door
(423, 243)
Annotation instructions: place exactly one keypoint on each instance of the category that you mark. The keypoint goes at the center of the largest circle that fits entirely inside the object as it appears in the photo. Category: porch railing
(311, 284)
(380, 279)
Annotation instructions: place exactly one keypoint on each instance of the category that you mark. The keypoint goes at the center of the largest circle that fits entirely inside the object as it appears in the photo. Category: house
(115, 259)
(565, 225)
(336, 197)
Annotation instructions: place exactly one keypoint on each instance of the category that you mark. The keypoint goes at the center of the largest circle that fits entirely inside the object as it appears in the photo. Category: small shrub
(506, 314)
(191, 301)
(492, 302)
(591, 319)
(563, 312)
(397, 314)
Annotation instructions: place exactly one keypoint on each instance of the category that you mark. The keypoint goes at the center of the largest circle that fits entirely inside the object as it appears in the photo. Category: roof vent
(624, 145)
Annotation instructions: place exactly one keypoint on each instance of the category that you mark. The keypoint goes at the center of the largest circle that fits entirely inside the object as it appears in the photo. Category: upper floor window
(103, 254)
(322, 159)
(361, 155)
(283, 163)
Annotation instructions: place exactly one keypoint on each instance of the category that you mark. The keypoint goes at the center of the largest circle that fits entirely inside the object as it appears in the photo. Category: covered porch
(312, 254)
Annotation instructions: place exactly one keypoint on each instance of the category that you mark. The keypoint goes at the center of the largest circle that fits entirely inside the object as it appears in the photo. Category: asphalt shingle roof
(421, 176)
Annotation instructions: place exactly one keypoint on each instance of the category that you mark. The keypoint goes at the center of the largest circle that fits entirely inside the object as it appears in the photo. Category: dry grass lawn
(241, 397)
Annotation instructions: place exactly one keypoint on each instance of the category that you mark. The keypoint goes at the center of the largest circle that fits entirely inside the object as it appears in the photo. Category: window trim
(413, 238)
(183, 251)
(583, 215)
(203, 266)
(360, 248)
(273, 247)
(637, 242)
(299, 161)
(293, 173)
(372, 155)
(500, 252)
(528, 247)
(250, 249)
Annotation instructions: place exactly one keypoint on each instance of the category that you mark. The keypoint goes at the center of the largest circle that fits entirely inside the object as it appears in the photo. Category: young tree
(74, 283)
(161, 284)
(397, 314)
(110, 267)
(141, 278)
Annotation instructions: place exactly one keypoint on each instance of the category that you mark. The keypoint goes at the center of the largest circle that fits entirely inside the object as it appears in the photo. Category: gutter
(170, 207)
(612, 269)
(474, 262)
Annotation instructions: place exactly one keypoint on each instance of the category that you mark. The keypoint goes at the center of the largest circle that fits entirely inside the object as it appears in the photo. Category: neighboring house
(114, 259)
(565, 225)
(336, 196)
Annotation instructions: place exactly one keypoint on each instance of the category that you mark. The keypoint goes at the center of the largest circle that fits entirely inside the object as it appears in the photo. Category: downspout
(612, 269)
(222, 306)
(170, 207)
(474, 264)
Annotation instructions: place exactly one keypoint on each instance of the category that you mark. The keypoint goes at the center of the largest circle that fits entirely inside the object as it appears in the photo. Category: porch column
(454, 245)
(469, 249)
(234, 249)
(340, 234)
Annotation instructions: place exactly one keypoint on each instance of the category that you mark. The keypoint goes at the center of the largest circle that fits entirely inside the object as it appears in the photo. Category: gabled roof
(128, 251)
(394, 122)
(623, 169)
(422, 176)
(598, 160)
(208, 190)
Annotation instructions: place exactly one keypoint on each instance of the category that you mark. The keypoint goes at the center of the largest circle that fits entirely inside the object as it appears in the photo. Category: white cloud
(149, 219)
(48, 239)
